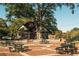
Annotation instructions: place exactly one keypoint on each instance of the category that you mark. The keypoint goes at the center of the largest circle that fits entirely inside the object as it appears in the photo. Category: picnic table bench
(6, 40)
(18, 47)
(67, 48)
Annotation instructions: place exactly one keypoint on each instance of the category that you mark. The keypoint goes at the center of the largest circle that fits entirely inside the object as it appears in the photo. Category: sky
(2, 12)
(65, 19)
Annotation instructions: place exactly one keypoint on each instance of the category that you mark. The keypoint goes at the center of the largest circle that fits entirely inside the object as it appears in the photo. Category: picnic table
(17, 47)
(67, 48)
(6, 40)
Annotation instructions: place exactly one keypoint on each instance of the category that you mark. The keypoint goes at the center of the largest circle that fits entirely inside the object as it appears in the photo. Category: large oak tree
(41, 13)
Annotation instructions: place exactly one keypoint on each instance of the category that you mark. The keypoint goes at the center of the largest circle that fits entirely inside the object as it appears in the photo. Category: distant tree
(58, 34)
(3, 28)
(73, 35)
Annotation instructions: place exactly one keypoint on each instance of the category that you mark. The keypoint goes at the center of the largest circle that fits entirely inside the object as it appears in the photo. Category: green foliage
(58, 34)
(3, 32)
(2, 23)
(3, 27)
(73, 35)
(19, 10)
(42, 14)
(16, 24)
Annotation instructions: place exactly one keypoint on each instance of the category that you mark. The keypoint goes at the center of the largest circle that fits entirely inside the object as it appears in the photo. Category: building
(28, 31)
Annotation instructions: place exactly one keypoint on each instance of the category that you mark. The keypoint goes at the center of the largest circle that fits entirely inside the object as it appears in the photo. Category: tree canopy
(74, 34)
(42, 14)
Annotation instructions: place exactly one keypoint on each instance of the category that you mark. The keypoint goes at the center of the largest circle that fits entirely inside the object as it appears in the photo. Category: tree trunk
(38, 36)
